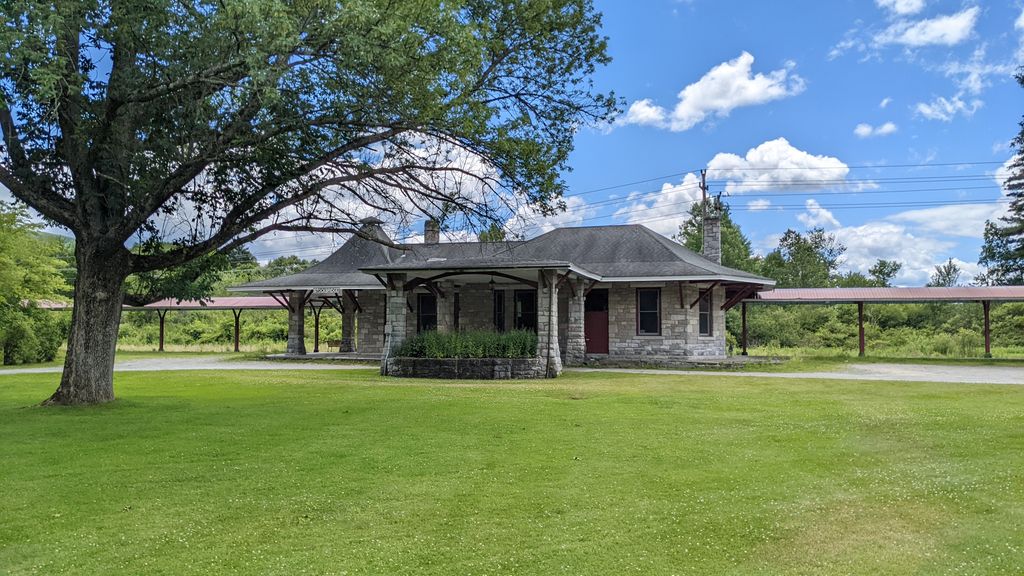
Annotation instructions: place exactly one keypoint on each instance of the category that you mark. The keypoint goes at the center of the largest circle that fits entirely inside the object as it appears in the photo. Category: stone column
(575, 340)
(547, 322)
(446, 308)
(394, 327)
(348, 328)
(296, 322)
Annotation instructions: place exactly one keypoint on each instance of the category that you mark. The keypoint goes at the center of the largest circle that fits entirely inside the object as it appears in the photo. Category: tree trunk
(99, 292)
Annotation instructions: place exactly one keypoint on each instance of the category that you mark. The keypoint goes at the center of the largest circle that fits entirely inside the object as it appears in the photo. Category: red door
(595, 321)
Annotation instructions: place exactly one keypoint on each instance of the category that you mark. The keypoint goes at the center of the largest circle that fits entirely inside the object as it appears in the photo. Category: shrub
(433, 344)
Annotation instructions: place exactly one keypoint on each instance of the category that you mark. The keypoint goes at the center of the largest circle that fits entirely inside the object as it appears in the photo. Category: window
(707, 317)
(525, 309)
(648, 311)
(499, 310)
(426, 312)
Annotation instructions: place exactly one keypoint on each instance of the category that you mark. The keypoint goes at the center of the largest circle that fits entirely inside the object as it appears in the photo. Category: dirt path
(899, 372)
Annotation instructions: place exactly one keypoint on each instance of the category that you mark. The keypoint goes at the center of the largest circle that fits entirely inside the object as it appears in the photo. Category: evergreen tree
(1002, 253)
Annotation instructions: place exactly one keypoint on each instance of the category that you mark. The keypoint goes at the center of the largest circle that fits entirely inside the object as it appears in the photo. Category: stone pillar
(394, 327)
(575, 340)
(446, 308)
(296, 322)
(348, 328)
(547, 322)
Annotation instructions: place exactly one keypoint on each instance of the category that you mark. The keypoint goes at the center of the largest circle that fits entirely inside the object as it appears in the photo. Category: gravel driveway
(899, 372)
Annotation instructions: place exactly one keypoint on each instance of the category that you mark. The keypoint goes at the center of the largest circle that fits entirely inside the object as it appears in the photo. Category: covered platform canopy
(860, 296)
(236, 304)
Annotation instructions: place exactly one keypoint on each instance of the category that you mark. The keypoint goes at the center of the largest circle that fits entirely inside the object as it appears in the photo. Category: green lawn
(340, 472)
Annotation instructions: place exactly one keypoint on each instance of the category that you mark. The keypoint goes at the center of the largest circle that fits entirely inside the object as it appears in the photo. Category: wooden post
(985, 305)
(237, 313)
(161, 314)
(316, 326)
(860, 324)
(743, 332)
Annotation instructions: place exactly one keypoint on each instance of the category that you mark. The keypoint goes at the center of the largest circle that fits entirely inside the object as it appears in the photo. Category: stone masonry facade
(679, 339)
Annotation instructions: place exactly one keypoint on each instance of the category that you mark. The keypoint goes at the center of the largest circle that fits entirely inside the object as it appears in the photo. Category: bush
(433, 344)
(29, 335)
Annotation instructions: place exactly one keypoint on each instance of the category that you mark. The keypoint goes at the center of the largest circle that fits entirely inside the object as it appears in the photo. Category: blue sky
(807, 113)
(886, 122)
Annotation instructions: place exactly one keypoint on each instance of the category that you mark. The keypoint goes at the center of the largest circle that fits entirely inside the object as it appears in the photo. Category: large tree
(163, 131)
(1002, 253)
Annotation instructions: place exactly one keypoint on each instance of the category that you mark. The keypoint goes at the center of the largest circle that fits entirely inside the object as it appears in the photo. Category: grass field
(345, 473)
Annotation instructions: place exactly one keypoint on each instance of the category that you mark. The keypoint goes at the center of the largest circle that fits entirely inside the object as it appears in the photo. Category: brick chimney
(431, 231)
(712, 245)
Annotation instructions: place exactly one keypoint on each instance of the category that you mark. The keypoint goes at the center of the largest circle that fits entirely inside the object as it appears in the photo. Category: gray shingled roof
(626, 251)
(611, 252)
(341, 269)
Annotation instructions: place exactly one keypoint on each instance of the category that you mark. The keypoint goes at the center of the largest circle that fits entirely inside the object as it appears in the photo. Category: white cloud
(645, 113)
(945, 109)
(1019, 23)
(816, 215)
(962, 220)
(885, 102)
(665, 211)
(901, 7)
(942, 30)
(867, 130)
(774, 165)
(868, 243)
(759, 205)
(724, 88)
(972, 76)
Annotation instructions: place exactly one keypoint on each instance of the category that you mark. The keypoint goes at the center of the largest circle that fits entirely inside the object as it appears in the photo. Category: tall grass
(471, 344)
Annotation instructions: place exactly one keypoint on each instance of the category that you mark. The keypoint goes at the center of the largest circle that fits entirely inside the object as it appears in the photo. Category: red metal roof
(219, 303)
(926, 294)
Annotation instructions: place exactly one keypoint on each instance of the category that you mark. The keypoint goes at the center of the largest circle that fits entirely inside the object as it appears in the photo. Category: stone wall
(370, 321)
(467, 368)
(679, 336)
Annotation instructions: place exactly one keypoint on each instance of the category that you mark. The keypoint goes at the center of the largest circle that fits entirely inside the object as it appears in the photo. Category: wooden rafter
(564, 279)
(739, 296)
(700, 293)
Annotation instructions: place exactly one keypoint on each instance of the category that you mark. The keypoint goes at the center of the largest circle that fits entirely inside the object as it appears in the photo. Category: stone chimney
(712, 245)
(431, 231)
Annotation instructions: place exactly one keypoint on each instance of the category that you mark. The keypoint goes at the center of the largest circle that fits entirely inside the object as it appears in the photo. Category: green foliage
(1003, 250)
(493, 233)
(808, 260)
(945, 275)
(1002, 260)
(29, 272)
(736, 251)
(883, 271)
(30, 335)
(470, 344)
(29, 268)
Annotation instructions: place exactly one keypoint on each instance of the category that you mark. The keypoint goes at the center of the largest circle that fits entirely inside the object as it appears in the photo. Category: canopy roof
(926, 294)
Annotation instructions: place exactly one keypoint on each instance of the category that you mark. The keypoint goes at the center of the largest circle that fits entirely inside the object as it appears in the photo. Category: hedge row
(432, 344)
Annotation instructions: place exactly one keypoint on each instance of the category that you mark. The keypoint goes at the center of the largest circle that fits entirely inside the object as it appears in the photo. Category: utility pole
(704, 193)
